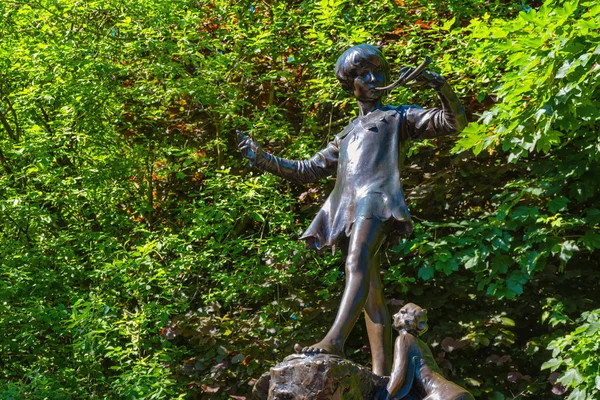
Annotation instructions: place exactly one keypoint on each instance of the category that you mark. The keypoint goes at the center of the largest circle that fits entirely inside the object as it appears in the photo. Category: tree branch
(14, 114)
(7, 127)
(46, 120)
(4, 163)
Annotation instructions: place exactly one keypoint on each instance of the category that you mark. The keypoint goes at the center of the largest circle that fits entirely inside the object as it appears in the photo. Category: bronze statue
(414, 364)
(367, 201)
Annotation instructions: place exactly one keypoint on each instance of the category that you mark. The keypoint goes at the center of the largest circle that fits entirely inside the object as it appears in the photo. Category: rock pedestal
(319, 377)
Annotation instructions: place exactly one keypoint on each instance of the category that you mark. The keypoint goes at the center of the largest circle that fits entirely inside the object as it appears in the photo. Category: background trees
(140, 257)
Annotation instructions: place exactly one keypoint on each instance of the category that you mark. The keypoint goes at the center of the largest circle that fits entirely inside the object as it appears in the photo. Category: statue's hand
(248, 147)
(425, 79)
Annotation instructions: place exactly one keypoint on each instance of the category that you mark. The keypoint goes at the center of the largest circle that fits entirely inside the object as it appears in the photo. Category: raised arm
(403, 369)
(447, 120)
(322, 164)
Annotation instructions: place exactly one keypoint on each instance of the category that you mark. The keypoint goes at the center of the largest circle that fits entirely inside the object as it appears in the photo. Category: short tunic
(367, 158)
(368, 180)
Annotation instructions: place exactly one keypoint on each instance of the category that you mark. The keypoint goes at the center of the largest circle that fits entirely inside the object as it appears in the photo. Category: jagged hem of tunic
(400, 228)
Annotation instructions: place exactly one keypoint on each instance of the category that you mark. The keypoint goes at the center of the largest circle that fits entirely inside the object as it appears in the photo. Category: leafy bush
(577, 352)
(141, 258)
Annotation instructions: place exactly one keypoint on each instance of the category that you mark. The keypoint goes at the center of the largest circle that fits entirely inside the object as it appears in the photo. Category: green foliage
(140, 257)
(542, 207)
(577, 353)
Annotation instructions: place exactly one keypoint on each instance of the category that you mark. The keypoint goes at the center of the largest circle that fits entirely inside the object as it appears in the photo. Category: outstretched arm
(404, 368)
(447, 120)
(322, 164)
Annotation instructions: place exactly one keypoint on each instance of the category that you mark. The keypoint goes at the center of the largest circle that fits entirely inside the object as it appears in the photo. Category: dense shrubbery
(140, 257)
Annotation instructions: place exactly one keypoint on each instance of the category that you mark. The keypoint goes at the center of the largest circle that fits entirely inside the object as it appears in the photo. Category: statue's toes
(315, 350)
(309, 350)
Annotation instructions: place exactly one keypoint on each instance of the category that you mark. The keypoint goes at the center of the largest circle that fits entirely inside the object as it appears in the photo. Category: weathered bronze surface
(405, 77)
(322, 377)
(415, 374)
(414, 367)
(367, 201)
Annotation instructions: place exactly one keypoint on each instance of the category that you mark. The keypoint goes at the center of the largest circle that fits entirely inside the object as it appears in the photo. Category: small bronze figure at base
(414, 364)
(316, 376)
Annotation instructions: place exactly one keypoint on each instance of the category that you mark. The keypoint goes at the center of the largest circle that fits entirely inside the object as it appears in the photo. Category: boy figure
(367, 200)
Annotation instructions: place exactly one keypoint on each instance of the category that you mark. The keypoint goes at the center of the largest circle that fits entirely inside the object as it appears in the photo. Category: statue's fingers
(241, 135)
(423, 77)
(247, 153)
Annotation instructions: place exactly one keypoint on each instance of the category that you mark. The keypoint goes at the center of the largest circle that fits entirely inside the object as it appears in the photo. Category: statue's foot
(323, 347)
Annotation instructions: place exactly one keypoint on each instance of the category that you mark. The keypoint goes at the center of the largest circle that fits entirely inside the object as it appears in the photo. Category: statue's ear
(346, 85)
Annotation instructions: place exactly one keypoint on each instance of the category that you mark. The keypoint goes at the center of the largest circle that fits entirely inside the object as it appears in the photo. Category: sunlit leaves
(578, 354)
(139, 257)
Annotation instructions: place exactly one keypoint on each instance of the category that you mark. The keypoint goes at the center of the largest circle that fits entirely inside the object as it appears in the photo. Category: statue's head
(360, 68)
(411, 318)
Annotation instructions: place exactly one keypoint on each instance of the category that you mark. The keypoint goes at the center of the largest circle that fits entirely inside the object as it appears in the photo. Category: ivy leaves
(578, 352)
(140, 258)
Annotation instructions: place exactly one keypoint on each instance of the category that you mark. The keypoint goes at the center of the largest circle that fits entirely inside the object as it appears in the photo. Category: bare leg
(365, 240)
(379, 326)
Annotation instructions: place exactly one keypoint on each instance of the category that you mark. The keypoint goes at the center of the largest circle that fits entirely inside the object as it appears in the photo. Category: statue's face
(367, 77)
(411, 318)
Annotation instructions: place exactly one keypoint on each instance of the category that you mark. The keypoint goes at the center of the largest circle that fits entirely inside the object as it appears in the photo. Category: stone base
(320, 377)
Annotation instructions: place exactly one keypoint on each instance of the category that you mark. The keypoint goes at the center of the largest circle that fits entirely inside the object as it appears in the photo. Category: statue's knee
(357, 261)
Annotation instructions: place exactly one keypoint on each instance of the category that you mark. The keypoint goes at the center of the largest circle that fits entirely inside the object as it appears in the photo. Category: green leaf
(514, 284)
(524, 213)
(426, 272)
(567, 248)
(570, 378)
(563, 70)
(471, 262)
(501, 263)
(448, 24)
(591, 240)
(593, 328)
(557, 204)
(545, 110)
(593, 216)
(238, 358)
(552, 364)
(547, 140)
(471, 138)
(578, 394)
